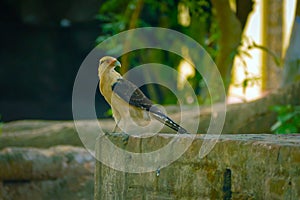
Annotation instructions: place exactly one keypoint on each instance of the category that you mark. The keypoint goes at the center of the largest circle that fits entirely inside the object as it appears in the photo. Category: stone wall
(239, 167)
(256, 166)
(61, 172)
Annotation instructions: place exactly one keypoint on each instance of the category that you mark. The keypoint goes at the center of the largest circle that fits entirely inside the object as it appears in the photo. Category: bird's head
(108, 62)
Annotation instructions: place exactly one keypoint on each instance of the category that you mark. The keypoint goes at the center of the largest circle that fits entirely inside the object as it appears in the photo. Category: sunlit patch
(185, 69)
(247, 81)
(246, 84)
(184, 18)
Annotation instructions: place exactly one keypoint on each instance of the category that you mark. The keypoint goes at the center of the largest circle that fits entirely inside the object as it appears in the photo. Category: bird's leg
(116, 126)
(114, 130)
(125, 136)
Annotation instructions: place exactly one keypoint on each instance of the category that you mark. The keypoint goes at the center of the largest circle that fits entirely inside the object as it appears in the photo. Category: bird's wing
(131, 94)
(135, 97)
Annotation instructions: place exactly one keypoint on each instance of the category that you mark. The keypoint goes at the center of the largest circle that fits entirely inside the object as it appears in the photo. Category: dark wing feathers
(131, 94)
(135, 97)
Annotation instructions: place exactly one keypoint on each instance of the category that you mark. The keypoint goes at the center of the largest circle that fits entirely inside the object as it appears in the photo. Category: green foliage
(144, 13)
(243, 51)
(278, 61)
(115, 19)
(288, 119)
(108, 113)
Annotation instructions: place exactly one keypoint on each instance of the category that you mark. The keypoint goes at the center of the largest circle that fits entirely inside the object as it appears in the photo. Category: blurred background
(45, 42)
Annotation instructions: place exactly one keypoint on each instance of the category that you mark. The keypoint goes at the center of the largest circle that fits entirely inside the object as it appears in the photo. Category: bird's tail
(169, 122)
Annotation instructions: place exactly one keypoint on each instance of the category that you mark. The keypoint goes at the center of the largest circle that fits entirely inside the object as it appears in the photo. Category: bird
(127, 101)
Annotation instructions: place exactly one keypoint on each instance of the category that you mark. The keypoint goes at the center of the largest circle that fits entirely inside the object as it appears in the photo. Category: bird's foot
(125, 137)
(106, 132)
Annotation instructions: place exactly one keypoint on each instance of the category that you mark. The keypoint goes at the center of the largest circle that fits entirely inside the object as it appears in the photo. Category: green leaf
(285, 117)
(286, 128)
(108, 113)
(288, 119)
(296, 121)
(276, 126)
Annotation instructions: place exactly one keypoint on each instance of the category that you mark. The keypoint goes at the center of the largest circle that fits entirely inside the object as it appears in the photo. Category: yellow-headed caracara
(126, 100)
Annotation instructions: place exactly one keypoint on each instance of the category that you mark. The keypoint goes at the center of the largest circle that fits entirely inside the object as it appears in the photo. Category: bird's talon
(106, 133)
(125, 138)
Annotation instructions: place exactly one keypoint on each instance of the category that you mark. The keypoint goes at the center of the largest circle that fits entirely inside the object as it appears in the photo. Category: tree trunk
(291, 70)
(272, 41)
(231, 33)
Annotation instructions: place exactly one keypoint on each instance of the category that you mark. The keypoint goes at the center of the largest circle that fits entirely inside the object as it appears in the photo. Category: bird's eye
(101, 61)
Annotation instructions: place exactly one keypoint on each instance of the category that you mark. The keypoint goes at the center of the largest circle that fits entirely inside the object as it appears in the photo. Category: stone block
(239, 167)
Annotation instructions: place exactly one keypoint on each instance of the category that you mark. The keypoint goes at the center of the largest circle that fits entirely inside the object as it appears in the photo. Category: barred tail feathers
(169, 122)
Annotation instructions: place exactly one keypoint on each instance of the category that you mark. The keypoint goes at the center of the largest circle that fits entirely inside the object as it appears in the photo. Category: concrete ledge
(61, 172)
(239, 167)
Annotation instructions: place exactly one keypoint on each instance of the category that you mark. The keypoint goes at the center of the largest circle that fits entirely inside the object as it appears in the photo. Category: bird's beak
(115, 63)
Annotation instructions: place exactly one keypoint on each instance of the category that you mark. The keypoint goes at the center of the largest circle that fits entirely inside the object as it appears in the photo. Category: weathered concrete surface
(61, 172)
(44, 134)
(239, 167)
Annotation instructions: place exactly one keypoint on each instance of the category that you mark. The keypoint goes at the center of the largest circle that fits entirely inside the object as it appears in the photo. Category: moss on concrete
(260, 167)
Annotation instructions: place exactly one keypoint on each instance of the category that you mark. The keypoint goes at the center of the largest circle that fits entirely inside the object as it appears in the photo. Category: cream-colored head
(107, 63)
